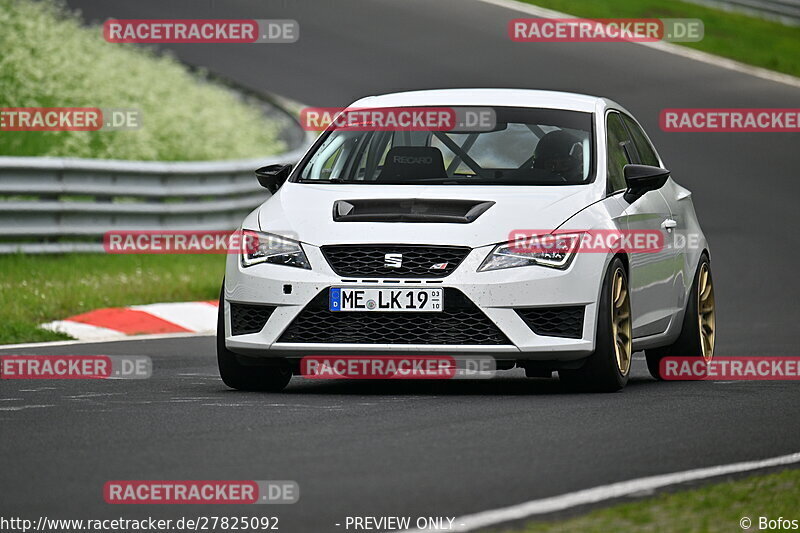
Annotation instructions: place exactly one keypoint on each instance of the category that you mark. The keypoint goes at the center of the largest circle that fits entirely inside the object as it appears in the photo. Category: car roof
(486, 97)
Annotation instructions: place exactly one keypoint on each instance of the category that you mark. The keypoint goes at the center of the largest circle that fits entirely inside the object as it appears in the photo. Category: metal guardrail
(53, 205)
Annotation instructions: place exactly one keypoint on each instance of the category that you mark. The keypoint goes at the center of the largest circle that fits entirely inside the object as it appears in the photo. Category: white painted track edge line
(608, 492)
(670, 48)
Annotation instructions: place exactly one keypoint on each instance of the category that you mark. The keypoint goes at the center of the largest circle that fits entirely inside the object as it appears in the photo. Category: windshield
(526, 147)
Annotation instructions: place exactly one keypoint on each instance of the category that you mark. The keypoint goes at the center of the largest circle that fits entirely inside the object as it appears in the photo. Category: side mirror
(272, 177)
(643, 178)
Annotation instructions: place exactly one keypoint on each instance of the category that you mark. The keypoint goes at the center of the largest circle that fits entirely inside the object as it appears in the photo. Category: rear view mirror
(271, 177)
(643, 178)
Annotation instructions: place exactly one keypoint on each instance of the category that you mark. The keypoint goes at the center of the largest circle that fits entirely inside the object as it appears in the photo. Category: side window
(646, 153)
(330, 158)
(328, 164)
(618, 152)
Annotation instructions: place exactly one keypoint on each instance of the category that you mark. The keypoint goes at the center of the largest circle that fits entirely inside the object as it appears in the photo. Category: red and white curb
(117, 322)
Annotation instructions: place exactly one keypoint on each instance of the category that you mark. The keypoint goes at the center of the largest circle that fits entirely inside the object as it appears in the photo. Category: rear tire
(242, 377)
(607, 369)
(699, 324)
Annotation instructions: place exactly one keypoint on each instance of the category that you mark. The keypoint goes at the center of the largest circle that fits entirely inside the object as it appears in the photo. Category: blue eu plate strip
(334, 303)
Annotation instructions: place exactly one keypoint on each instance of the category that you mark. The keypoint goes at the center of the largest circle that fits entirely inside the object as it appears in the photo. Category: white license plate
(386, 300)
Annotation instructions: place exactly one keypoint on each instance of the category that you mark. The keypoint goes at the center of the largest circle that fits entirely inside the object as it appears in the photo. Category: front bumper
(497, 294)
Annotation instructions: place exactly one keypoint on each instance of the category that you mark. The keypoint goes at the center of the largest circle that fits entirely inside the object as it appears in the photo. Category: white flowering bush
(48, 59)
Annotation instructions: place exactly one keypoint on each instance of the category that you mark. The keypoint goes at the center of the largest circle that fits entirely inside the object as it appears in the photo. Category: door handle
(669, 224)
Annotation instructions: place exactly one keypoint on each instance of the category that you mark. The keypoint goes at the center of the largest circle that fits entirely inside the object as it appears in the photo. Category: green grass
(747, 39)
(49, 59)
(39, 288)
(711, 509)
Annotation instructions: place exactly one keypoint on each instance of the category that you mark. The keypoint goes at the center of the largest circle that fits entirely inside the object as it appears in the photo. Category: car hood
(306, 212)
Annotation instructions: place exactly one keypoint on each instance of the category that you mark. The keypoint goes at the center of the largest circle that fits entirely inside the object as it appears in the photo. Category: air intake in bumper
(247, 318)
(554, 321)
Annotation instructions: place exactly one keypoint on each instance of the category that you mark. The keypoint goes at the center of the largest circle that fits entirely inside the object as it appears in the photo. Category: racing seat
(410, 163)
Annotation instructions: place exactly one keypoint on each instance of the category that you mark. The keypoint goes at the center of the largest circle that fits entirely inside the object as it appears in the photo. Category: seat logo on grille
(393, 260)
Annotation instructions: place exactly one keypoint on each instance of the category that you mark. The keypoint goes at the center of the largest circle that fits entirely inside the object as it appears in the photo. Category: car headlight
(268, 248)
(554, 251)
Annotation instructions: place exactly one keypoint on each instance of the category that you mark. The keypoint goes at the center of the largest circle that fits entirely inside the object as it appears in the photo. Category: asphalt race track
(438, 448)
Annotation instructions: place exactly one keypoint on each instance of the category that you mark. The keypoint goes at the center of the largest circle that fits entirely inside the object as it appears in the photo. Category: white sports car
(384, 242)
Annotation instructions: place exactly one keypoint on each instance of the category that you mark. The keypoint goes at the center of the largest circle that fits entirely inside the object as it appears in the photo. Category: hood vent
(409, 210)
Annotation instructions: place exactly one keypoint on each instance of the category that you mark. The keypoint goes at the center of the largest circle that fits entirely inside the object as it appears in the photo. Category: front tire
(698, 331)
(247, 378)
(607, 369)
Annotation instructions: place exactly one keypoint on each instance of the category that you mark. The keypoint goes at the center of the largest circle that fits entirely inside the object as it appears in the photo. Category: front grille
(362, 260)
(246, 318)
(461, 322)
(554, 321)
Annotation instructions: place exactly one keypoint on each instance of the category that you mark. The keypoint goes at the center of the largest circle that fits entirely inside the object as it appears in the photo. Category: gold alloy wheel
(705, 311)
(621, 321)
